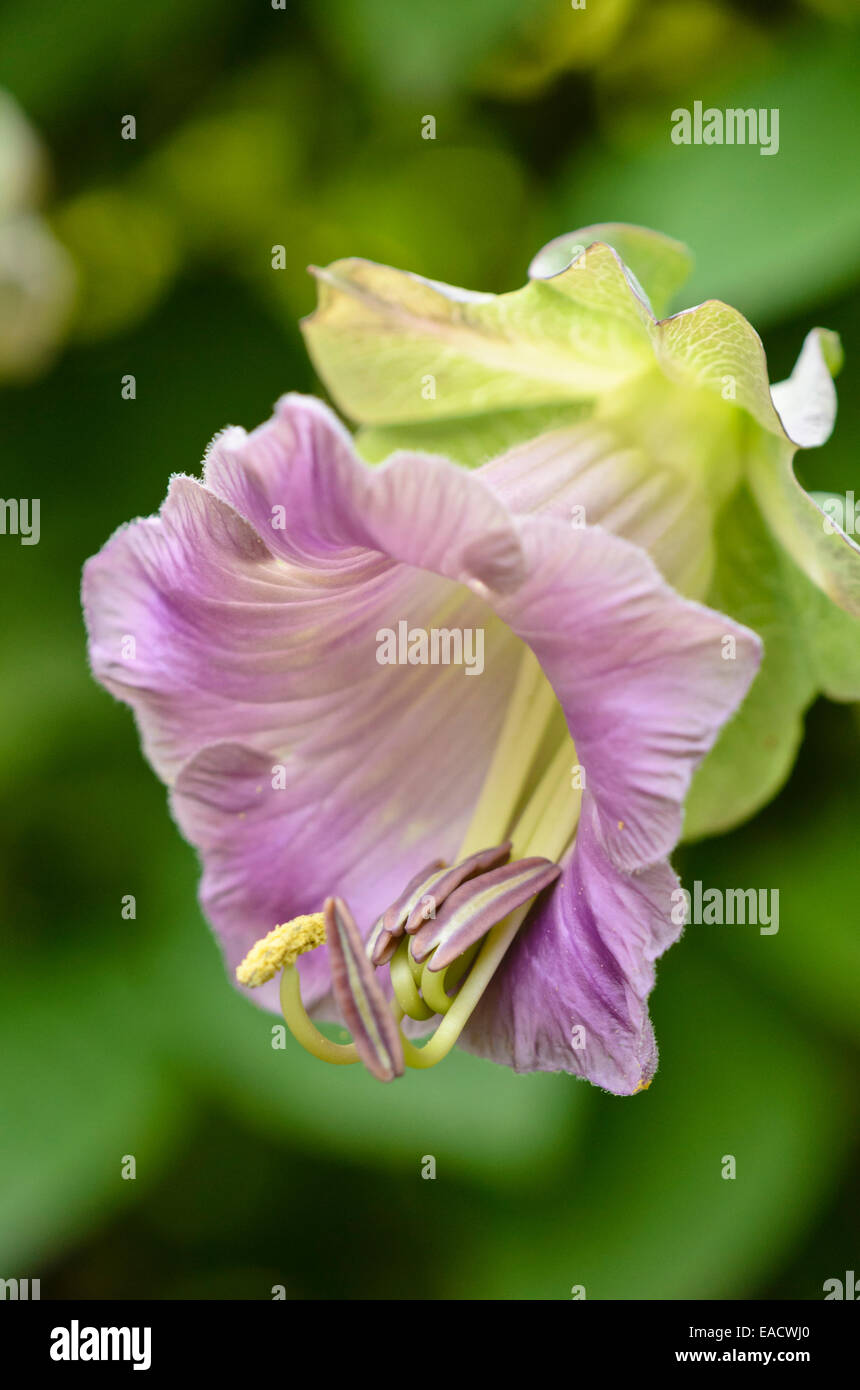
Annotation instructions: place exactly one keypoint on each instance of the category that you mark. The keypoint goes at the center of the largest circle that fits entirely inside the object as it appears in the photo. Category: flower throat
(443, 939)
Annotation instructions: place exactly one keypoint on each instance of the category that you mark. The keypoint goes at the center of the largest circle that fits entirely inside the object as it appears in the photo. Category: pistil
(304, 1030)
(279, 951)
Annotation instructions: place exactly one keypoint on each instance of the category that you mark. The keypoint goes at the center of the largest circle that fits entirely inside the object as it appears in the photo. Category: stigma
(282, 947)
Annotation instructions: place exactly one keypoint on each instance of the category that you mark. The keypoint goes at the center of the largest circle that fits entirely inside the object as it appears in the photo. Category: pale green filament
(556, 825)
(416, 966)
(458, 968)
(433, 988)
(404, 983)
(545, 829)
(306, 1032)
(434, 984)
(496, 942)
(550, 818)
(530, 709)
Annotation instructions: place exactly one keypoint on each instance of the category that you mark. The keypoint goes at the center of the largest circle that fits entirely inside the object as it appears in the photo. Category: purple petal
(591, 467)
(246, 634)
(571, 992)
(270, 643)
(646, 679)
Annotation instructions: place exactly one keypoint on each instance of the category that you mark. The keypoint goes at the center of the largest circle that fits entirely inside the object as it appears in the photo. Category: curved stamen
(382, 941)
(469, 913)
(305, 1031)
(466, 1000)
(445, 884)
(434, 990)
(362, 1004)
(545, 829)
(415, 966)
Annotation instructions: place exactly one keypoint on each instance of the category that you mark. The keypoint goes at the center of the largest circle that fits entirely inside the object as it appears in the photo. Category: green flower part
(663, 429)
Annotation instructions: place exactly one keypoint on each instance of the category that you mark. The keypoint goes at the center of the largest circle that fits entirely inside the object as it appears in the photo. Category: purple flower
(320, 779)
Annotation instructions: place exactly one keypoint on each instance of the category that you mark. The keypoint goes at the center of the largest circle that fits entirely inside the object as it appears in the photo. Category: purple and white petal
(304, 769)
(571, 992)
(646, 679)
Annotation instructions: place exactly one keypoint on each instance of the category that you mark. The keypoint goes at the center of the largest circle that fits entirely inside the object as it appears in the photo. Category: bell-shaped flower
(432, 744)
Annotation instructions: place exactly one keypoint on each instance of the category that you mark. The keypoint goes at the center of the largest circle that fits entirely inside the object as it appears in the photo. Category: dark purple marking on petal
(361, 1001)
(470, 911)
(443, 887)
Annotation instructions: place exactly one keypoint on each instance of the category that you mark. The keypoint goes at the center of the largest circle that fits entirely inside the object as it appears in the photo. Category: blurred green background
(301, 127)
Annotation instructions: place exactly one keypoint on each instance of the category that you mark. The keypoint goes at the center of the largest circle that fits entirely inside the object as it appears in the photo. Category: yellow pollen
(643, 1086)
(281, 947)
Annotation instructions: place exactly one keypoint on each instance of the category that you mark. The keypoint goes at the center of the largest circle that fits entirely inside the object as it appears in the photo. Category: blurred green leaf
(82, 1091)
(672, 41)
(770, 233)
(806, 850)
(475, 1118)
(414, 49)
(126, 254)
(645, 1212)
(52, 54)
(548, 39)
